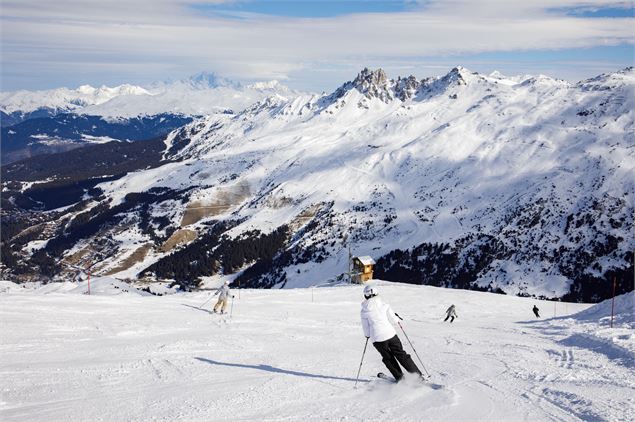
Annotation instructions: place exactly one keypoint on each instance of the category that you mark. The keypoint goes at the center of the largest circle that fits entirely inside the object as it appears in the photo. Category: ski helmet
(370, 291)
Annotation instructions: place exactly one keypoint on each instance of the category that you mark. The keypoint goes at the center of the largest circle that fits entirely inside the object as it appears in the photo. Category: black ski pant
(446, 318)
(393, 354)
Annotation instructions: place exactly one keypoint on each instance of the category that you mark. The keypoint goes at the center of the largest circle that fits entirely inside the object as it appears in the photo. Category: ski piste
(423, 381)
(499, 365)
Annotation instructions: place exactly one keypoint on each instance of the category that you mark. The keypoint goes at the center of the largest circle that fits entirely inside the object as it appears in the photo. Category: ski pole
(204, 303)
(360, 363)
(413, 348)
(231, 309)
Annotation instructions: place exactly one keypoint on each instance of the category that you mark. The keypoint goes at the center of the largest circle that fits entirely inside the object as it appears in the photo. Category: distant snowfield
(293, 354)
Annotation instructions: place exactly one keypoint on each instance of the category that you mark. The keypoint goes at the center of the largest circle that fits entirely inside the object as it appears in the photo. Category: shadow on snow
(198, 309)
(270, 368)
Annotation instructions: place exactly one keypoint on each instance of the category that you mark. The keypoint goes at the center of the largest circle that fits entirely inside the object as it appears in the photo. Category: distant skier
(536, 310)
(451, 313)
(377, 321)
(223, 296)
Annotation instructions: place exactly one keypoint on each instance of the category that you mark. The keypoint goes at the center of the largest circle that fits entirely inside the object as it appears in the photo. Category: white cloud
(159, 35)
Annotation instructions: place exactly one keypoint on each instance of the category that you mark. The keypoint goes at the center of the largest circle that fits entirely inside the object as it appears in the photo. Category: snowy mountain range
(44, 122)
(201, 94)
(520, 185)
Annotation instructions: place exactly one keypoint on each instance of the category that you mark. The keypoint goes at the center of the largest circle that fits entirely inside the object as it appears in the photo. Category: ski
(423, 380)
(385, 377)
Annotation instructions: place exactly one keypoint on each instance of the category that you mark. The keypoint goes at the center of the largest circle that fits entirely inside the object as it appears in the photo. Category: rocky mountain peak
(367, 78)
(459, 76)
(373, 84)
(406, 88)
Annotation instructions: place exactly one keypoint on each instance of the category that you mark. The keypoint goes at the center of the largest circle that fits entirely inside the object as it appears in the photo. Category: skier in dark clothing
(535, 309)
(451, 313)
(377, 321)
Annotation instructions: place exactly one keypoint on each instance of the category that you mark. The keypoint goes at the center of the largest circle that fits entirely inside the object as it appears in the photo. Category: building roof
(366, 260)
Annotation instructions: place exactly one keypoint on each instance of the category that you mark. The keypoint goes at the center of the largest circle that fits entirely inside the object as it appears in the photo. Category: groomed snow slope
(294, 354)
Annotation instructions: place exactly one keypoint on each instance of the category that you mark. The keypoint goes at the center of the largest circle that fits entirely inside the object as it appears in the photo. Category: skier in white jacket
(377, 321)
(223, 296)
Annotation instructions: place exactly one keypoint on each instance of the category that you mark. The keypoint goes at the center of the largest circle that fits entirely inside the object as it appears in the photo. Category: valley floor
(293, 355)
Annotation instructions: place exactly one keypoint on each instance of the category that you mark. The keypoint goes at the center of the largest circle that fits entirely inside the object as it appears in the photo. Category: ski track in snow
(294, 354)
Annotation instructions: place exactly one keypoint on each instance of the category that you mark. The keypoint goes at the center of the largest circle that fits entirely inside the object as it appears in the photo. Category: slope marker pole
(613, 302)
(89, 280)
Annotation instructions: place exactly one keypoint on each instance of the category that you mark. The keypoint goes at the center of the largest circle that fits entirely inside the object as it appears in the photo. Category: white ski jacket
(377, 320)
(223, 291)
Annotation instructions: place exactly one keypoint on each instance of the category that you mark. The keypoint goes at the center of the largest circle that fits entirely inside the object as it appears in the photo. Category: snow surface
(293, 354)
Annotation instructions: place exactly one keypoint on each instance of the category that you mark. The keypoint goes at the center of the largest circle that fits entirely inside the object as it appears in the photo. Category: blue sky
(306, 44)
(308, 8)
(331, 8)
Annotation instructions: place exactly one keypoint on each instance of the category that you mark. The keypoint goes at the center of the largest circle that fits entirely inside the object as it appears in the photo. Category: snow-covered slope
(98, 286)
(293, 355)
(201, 94)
